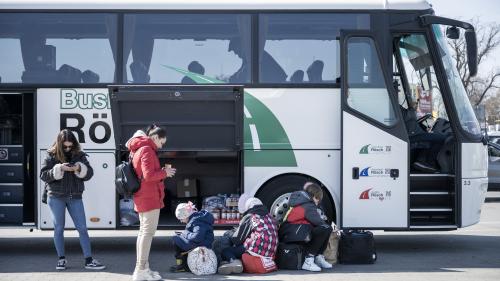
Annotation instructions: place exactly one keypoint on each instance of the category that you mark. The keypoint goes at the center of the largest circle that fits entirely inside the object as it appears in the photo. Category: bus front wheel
(276, 193)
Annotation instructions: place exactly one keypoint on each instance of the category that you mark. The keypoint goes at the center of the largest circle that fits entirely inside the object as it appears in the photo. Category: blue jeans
(77, 212)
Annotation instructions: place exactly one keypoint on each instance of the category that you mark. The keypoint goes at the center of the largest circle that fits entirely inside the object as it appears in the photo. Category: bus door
(374, 185)
(17, 203)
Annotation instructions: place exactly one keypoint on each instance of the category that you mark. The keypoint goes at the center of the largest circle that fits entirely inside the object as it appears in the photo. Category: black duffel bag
(289, 256)
(357, 247)
(290, 233)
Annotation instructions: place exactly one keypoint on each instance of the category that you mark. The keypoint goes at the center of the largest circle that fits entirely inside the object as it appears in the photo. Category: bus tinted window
(367, 91)
(187, 48)
(303, 48)
(57, 48)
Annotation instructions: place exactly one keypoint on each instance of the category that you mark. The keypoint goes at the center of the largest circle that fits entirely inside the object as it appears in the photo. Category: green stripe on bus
(271, 134)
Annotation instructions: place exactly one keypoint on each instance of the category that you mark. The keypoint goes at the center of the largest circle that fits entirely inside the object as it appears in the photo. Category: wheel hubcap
(279, 206)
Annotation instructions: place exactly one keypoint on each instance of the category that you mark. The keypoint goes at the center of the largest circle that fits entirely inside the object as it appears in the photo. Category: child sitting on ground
(199, 232)
(304, 211)
(256, 234)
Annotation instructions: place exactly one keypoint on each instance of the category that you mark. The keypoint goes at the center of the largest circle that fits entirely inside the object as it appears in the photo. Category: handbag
(258, 264)
(44, 195)
(332, 249)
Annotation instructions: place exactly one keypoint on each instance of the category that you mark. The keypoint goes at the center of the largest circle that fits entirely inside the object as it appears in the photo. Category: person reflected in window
(315, 71)
(297, 77)
(193, 67)
(270, 70)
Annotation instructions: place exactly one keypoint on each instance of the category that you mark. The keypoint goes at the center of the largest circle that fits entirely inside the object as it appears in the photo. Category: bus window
(303, 48)
(187, 48)
(57, 48)
(367, 91)
(397, 81)
(421, 77)
(466, 116)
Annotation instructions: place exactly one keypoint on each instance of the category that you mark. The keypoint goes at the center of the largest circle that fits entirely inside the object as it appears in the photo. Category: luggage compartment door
(197, 118)
(374, 187)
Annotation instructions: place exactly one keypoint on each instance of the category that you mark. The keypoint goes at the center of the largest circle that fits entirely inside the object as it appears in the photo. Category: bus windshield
(466, 116)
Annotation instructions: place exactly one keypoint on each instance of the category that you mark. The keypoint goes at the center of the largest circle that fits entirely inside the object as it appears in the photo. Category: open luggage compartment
(204, 137)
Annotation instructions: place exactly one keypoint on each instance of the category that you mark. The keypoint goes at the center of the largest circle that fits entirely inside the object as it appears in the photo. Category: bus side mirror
(470, 39)
(452, 32)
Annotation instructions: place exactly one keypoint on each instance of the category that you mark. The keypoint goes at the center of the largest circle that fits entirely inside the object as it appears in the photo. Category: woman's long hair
(57, 148)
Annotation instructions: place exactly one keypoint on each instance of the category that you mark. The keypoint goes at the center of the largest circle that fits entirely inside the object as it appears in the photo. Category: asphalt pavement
(472, 253)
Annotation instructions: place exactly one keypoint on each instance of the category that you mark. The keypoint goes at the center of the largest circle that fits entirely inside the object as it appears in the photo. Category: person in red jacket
(305, 213)
(148, 200)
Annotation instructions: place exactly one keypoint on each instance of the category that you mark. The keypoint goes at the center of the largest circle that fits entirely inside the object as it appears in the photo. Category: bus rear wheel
(276, 194)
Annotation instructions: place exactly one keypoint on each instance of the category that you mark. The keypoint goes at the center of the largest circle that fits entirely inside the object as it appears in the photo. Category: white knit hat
(247, 204)
(252, 202)
(242, 201)
(184, 210)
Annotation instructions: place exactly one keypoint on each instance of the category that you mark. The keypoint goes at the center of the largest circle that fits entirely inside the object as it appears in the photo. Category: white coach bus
(359, 96)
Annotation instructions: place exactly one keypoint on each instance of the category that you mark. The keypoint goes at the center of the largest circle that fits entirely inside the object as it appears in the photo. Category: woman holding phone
(65, 169)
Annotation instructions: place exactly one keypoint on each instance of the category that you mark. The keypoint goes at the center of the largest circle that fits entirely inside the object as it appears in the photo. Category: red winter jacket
(147, 166)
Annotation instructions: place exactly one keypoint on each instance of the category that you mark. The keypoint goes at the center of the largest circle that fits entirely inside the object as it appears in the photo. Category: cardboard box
(187, 188)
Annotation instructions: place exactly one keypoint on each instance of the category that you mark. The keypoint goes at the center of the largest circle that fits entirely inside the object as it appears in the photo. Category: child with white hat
(199, 231)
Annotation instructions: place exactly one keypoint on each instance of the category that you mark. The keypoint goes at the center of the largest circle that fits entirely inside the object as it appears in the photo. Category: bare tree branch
(489, 86)
(488, 40)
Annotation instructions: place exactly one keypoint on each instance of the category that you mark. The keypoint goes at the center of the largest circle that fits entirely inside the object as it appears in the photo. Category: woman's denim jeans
(77, 212)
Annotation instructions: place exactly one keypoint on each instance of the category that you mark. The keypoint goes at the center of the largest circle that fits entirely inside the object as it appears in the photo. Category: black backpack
(126, 181)
(290, 256)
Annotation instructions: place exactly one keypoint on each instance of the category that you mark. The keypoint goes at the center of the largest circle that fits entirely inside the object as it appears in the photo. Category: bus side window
(367, 90)
(305, 42)
(187, 48)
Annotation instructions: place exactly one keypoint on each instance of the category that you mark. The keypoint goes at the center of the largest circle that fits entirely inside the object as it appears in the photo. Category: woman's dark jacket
(66, 184)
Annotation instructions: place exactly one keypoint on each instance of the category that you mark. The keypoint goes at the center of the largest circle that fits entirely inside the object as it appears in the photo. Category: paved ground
(468, 254)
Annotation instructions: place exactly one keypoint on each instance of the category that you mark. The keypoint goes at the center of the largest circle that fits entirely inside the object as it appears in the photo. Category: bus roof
(215, 5)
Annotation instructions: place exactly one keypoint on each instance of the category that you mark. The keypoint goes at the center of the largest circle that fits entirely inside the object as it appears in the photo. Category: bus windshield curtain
(31, 46)
(142, 51)
(111, 32)
(140, 44)
(263, 29)
(245, 30)
(129, 29)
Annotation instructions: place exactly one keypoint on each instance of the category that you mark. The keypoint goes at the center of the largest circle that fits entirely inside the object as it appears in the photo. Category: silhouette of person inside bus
(424, 145)
(315, 71)
(270, 70)
(297, 76)
(194, 67)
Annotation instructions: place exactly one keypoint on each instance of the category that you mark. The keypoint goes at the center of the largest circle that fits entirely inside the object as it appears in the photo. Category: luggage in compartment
(224, 208)
(187, 187)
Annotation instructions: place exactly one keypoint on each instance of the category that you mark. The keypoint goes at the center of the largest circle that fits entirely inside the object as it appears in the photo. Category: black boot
(180, 264)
